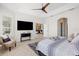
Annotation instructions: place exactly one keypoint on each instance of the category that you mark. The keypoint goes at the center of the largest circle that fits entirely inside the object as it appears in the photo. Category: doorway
(39, 28)
(62, 27)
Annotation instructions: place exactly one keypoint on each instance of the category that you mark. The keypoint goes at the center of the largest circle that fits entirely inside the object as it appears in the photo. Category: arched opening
(62, 27)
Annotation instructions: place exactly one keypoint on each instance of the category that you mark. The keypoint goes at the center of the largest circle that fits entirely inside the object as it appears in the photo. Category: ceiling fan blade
(45, 6)
(45, 11)
(37, 9)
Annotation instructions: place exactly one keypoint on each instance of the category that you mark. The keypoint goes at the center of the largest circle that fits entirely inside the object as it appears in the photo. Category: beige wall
(73, 22)
(17, 16)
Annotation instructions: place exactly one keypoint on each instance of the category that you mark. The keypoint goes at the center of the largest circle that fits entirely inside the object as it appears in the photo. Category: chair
(8, 44)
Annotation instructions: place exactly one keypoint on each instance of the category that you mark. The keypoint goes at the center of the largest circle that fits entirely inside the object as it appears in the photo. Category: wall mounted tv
(24, 25)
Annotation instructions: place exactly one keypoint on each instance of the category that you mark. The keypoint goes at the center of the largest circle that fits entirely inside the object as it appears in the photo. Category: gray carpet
(33, 47)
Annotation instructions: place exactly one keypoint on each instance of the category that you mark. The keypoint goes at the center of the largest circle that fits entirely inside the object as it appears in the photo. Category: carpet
(33, 47)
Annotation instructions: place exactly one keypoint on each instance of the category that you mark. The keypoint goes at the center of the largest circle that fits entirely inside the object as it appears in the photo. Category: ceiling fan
(43, 8)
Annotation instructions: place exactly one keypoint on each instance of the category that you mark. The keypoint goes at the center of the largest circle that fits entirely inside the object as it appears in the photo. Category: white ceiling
(26, 8)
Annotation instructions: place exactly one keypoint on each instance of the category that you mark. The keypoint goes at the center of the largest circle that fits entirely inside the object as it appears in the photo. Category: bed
(44, 46)
(60, 47)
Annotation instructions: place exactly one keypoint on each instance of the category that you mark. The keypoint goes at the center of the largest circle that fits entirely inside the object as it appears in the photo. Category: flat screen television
(24, 25)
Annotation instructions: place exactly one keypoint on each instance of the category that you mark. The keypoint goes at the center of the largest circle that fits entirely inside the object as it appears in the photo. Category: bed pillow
(76, 39)
(76, 34)
(61, 37)
(55, 37)
(71, 37)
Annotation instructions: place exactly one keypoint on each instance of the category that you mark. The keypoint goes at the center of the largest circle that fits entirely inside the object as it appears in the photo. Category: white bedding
(45, 45)
(56, 48)
(63, 49)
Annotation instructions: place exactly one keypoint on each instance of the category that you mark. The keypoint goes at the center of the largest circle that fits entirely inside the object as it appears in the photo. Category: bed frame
(40, 53)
